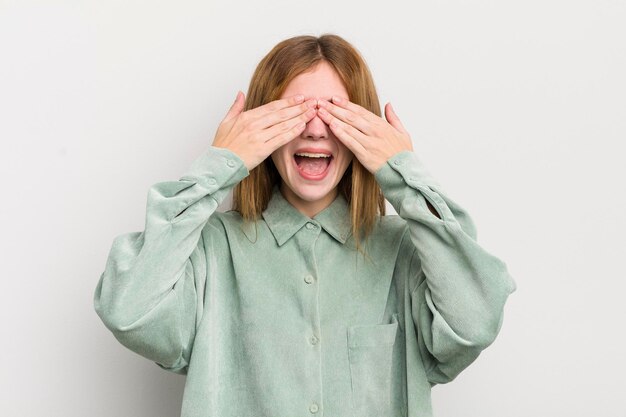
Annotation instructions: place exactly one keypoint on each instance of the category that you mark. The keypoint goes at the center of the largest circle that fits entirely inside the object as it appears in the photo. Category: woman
(305, 298)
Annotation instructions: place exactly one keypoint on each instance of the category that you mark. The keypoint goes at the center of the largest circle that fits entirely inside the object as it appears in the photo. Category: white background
(517, 108)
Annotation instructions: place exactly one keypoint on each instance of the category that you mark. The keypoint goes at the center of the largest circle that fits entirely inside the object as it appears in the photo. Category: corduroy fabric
(283, 317)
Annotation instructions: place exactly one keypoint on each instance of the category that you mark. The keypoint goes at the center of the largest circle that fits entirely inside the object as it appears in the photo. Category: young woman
(305, 299)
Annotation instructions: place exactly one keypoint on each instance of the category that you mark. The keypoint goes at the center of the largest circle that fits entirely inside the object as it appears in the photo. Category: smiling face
(312, 164)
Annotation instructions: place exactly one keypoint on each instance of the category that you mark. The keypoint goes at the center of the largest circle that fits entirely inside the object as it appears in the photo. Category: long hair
(275, 71)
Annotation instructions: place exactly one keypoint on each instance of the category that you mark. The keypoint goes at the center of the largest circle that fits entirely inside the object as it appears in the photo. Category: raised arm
(458, 289)
(150, 294)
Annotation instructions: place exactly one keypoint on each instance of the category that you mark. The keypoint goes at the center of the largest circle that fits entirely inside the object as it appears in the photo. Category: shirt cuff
(217, 168)
(402, 175)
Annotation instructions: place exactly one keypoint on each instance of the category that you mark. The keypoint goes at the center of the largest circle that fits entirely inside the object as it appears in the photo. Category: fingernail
(337, 99)
(299, 98)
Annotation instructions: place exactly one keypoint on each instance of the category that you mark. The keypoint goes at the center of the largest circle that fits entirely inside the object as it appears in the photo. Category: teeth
(313, 155)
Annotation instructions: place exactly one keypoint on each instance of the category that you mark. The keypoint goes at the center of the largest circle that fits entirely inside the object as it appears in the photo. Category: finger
(347, 116)
(236, 108)
(275, 105)
(293, 131)
(277, 117)
(353, 138)
(355, 108)
(393, 119)
(280, 128)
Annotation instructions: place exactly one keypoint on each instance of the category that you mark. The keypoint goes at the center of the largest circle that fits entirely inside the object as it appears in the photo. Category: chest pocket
(370, 353)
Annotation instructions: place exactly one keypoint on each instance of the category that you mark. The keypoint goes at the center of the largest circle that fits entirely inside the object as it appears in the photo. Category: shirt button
(313, 408)
(212, 181)
(314, 340)
(230, 163)
(310, 226)
(308, 279)
(397, 162)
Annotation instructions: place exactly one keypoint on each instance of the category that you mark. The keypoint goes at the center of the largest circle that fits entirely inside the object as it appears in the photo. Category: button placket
(309, 238)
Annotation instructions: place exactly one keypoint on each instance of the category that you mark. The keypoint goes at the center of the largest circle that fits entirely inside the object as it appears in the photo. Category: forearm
(463, 285)
(150, 289)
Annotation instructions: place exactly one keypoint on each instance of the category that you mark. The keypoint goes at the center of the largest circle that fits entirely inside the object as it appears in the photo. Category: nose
(315, 129)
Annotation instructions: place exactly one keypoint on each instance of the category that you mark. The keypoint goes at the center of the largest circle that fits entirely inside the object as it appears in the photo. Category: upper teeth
(313, 155)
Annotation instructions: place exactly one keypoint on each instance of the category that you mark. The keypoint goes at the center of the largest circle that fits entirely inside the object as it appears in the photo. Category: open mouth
(312, 165)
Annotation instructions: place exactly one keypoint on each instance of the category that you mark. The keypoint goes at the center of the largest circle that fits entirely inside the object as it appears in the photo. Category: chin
(310, 193)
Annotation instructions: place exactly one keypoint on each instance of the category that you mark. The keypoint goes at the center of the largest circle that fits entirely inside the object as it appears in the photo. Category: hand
(370, 138)
(254, 134)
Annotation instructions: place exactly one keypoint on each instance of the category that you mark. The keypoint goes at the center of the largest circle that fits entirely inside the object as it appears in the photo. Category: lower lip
(317, 177)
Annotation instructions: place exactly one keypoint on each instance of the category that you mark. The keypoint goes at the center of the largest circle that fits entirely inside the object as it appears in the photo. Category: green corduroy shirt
(283, 317)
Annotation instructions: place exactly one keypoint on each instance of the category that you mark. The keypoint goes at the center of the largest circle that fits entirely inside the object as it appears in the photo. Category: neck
(308, 208)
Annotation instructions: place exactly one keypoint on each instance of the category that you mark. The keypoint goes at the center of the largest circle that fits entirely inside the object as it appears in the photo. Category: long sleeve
(151, 293)
(457, 288)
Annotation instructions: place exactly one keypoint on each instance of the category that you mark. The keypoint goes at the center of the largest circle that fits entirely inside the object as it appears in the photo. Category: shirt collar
(284, 220)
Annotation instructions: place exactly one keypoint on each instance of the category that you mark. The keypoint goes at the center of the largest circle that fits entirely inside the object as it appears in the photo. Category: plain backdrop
(517, 108)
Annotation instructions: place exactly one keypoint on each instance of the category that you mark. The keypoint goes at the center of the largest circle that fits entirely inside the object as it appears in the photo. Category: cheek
(346, 154)
(343, 151)
(279, 158)
(344, 162)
